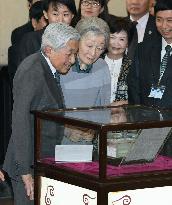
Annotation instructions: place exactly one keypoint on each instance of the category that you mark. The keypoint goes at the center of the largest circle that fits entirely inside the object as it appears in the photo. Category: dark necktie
(57, 77)
(164, 61)
(134, 41)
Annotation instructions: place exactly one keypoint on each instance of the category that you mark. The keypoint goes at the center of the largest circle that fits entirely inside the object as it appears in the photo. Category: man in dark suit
(150, 78)
(138, 11)
(18, 32)
(37, 87)
(38, 21)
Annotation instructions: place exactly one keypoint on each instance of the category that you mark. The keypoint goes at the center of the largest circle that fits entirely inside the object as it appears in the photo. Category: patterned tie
(57, 77)
(60, 93)
(164, 61)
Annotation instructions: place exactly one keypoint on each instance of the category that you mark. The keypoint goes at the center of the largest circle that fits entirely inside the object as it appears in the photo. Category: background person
(18, 32)
(36, 16)
(38, 22)
(138, 11)
(55, 11)
(93, 8)
(117, 59)
(150, 77)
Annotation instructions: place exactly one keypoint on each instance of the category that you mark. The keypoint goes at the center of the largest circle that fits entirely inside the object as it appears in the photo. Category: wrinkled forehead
(92, 34)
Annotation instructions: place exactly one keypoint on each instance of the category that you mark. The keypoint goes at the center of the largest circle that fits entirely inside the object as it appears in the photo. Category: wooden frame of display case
(100, 184)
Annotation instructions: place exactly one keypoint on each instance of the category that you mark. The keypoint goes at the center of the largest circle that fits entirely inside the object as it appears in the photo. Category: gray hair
(56, 35)
(94, 25)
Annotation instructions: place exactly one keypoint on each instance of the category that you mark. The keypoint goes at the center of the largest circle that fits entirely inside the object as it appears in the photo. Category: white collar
(142, 21)
(112, 60)
(53, 70)
(164, 44)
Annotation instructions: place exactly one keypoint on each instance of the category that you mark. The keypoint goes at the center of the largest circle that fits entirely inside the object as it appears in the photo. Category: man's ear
(45, 14)
(34, 23)
(48, 51)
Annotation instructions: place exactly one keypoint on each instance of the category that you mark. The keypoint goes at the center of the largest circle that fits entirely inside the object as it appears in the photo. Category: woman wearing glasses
(93, 8)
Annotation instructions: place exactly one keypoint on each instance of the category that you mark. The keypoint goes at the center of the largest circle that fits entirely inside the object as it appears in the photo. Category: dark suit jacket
(17, 33)
(151, 29)
(145, 71)
(150, 32)
(34, 89)
(29, 44)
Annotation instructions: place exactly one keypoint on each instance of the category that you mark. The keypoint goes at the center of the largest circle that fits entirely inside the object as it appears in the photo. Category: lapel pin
(150, 32)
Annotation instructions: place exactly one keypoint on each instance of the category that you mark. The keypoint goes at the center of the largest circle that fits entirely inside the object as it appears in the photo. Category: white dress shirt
(114, 68)
(141, 26)
(163, 51)
(53, 70)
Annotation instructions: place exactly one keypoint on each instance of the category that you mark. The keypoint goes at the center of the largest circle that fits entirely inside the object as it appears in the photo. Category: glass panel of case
(129, 137)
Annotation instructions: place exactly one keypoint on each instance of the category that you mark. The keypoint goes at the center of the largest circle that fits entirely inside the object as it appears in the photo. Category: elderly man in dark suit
(138, 11)
(150, 78)
(36, 87)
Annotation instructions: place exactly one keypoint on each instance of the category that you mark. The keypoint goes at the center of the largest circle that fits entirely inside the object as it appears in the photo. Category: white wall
(14, 13)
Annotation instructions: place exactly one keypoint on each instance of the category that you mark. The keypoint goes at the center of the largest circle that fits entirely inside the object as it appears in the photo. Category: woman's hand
(76, 134)
(29, 185)
(120, 102)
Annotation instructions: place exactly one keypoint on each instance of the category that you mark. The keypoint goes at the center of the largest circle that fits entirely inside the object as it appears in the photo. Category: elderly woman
(88, 81)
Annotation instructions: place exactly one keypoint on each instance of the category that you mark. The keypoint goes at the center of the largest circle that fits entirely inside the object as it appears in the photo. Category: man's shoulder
(18, 32)
(151, 18)
(33, 35)
(30, 63)
(156, 40)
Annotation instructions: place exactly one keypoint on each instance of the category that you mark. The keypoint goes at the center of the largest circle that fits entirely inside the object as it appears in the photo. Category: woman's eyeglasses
(94, 4)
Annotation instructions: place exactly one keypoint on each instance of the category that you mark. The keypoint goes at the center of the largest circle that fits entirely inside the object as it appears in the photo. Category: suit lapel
(155, 56)
(150, 28)
(52, 84)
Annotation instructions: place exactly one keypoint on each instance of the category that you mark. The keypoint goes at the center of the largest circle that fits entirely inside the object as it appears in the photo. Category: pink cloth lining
(92, 168)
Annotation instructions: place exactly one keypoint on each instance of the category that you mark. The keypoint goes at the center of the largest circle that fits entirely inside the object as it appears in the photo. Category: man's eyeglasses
(94, 4)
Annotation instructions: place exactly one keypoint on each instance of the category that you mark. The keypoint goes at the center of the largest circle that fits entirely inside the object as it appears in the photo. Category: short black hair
(36, 11)
(118, 24)
(162, 5)
(69, 3)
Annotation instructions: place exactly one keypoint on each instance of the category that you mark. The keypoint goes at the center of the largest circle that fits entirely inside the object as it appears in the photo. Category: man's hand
(2, 177)
(29, 185)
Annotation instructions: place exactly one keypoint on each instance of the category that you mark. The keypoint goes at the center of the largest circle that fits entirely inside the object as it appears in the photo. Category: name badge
(157, 92)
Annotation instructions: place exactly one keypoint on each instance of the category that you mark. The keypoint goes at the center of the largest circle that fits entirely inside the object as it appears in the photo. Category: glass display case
(102, 156)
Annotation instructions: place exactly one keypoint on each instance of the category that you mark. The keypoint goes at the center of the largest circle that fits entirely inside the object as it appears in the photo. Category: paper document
(73, 153)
